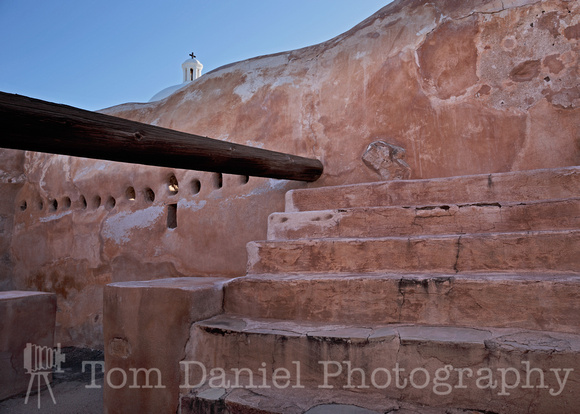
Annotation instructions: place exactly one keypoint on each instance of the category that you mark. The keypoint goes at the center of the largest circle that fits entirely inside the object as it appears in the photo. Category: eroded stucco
(462, 87)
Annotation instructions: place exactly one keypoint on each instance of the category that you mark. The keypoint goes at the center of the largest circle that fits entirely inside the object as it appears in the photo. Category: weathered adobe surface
(89, 223)
(463, 87)
(237, 341)
(25, 318)
(11, 181)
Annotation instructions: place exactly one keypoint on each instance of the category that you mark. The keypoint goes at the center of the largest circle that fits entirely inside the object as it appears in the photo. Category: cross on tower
(192, 55)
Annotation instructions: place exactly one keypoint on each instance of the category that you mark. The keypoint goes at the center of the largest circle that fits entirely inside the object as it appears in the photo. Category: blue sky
(98, 53)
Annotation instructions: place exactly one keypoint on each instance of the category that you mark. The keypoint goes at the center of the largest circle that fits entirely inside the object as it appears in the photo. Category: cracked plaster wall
(81, 224)
(463, 87)
(11, 181)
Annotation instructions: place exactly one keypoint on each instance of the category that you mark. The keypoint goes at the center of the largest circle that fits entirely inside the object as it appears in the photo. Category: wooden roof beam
(34, 125)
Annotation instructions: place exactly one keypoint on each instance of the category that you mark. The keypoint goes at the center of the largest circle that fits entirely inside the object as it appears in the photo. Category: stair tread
(494, 203)
(514, 186)
(524, 174)
(530, 300)
(527, 276)
(305, 401)
(542, 250)
(321, 355)
(421, 220)
(483, 336)
(422, 236)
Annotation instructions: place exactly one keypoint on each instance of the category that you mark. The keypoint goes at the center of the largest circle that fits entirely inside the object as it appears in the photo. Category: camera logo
(39, 362)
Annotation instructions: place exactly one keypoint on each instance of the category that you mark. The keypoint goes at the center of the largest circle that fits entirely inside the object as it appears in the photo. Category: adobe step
(542, 251)
(417, 220)
(537, 302)
(492, 369)
(207, 400)
(546, 184)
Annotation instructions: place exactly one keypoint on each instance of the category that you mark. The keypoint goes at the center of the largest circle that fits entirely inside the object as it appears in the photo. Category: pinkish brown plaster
(463, 87)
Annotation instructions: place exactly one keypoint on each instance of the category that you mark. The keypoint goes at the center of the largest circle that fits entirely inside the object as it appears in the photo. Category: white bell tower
(191, 69)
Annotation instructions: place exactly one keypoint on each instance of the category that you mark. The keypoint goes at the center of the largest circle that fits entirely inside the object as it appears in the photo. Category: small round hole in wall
(23, 205)
(66, 203)
(53, 205)
(96, 202)
(83, 201)
(172, 185)
(149, 195)
(195, 186)
(130, 193)
(111, 202)
(245, 179)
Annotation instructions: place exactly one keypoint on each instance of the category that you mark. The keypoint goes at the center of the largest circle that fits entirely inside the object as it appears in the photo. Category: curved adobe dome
(191, 71)
(164, 93)
(464, 87)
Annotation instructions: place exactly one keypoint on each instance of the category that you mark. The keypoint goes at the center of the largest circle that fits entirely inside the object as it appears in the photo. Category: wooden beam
(35, 125)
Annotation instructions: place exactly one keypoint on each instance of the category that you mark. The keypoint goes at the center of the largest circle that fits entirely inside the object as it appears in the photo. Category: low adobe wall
(26, 323)
(83, 224)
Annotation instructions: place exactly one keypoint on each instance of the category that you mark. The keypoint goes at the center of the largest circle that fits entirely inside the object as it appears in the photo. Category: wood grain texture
(35, 125)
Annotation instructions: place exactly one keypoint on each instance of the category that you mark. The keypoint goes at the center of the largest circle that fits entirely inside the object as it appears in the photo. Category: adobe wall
(89, 223)
(462, 87)
(11, 181)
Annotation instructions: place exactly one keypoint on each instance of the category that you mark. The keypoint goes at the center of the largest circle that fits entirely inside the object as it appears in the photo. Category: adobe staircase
(467, 281)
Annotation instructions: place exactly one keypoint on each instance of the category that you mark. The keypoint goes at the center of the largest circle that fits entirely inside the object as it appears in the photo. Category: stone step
(492, 369)
(437, 219)
(520, 186)
(529, 301)
(542, 251)
(207, 400)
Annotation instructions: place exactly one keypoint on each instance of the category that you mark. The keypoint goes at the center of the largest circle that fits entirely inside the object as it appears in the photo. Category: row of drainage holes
(65, 204)
(218, 182)
(110, 203)
(130, 194)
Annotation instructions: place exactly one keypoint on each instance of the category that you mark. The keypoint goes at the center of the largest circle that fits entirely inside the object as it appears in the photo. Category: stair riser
(299, 361)
(519, 186)
(530, 303)
(545, 251)
(410, 221)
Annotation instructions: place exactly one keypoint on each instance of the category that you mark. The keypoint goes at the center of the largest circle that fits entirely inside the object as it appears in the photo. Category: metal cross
(192, 55)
